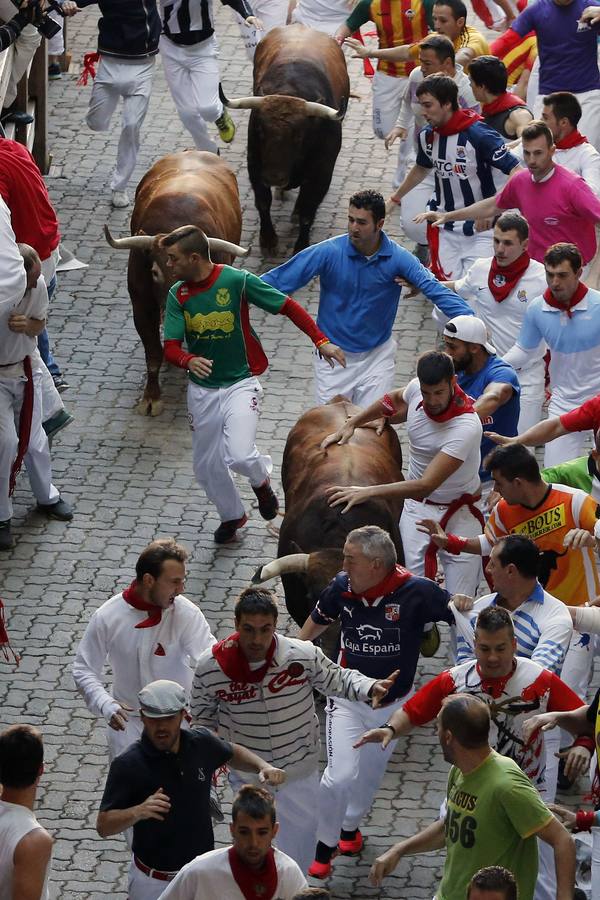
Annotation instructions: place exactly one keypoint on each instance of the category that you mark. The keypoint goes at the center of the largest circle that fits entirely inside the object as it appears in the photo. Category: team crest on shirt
(201, 775)
(522, 296)
(392, 612)
(499, 280)
(461, 153)
(410, 13)
(223, 297)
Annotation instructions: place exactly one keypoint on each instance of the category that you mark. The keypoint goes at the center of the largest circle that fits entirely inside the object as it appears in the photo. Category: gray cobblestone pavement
(130, 480)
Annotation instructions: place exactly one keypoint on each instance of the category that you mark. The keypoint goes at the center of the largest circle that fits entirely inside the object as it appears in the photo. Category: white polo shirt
(502, 320)
(459, 437)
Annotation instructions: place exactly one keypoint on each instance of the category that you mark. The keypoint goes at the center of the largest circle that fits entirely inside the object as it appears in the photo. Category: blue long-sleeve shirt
(358, 295)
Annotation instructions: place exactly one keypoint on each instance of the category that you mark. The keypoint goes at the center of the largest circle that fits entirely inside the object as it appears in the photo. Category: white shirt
(16, 822)
(138, 656)
(13, 280)
(459, 437)
(503, 320)
(209, 877)
(411, 115)
(14, 347)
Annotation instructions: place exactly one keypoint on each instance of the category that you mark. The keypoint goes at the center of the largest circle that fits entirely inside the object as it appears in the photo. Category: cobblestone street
(130, 477)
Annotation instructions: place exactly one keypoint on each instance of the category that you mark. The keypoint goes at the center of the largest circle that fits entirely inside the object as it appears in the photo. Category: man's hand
(435, 532)
(384, 865)
(483, 224)
(545, 722)
(156, 806)
(462, 602)
(119, 719)
(577, 761)
(200, 366)
(436, 218)
(396, 133)
(578, 538)
(492, 498)
(381, 689)
(411, 290)
(332, 352)
(391, 205)
(254, 22)
(351, 496)
(69, 8)
(591, 15)
(360, 51)
(271, 775)
(24, 325)
(565, 816)
(375, 736)
(501, 438)
(341, 436)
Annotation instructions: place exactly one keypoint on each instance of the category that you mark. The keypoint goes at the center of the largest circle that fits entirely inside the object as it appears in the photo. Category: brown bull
(313, 527)
(301, 90)
(187, 188)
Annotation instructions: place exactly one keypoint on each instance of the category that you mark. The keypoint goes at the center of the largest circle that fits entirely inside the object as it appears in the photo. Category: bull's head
(315, 569)
(157, 257)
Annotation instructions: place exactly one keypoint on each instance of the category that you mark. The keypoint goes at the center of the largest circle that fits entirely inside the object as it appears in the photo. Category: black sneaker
(268, 504)
(225, 533)
(60, 384)
(54, 72)
(57, 423)
(6, 540)
(60, 510)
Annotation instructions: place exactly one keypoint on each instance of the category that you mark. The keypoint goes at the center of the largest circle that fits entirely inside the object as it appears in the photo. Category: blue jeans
(43, 340)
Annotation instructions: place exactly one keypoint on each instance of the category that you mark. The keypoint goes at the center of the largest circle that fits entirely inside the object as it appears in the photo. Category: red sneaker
(351, 848)
(226, 531)
(320, 870)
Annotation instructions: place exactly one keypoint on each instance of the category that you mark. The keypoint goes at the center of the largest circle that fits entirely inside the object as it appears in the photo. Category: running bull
(187, 188)
(313, 533)
(301, 90)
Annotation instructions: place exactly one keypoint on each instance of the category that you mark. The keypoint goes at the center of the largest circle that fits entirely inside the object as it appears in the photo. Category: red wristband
(584, 821)
(388, 406)
(456, 544)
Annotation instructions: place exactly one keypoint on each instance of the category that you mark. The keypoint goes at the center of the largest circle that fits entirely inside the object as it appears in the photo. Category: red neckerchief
(575, 299)
(25, 419)
(503, 279)
(393, 580)
(131, 596)
(461, 403)
(235, 665)
(458, 121)
(254, 884)
(507, 100)
(495, 686)
(5, 647)
(571, 140)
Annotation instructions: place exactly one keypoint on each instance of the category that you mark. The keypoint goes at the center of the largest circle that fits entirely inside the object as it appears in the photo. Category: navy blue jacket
(129, 29)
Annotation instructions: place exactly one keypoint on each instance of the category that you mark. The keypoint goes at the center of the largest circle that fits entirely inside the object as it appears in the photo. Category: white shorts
(366, 378)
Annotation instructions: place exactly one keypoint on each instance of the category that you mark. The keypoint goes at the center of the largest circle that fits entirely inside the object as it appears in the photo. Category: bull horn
(241, 102)
(135, 242)
(320, 110)
(285, 565)
(219, 246)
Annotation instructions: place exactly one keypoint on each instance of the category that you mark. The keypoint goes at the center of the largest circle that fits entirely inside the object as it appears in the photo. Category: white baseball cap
(469, 329)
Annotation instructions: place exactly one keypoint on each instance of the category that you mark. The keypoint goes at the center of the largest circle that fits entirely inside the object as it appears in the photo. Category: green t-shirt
(573, 473)
(493, 815)
(213, 318)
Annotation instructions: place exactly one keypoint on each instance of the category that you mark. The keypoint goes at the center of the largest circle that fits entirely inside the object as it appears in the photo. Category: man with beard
(493, 813)
(160, 787)
(492, 383)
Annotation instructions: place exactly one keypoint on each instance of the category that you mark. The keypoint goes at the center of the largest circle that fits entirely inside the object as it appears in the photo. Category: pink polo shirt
(562, 207)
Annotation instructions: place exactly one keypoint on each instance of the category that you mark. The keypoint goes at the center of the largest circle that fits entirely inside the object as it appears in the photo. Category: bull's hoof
(269, 243)
(148, 407)
(257, 577)
(301, 244)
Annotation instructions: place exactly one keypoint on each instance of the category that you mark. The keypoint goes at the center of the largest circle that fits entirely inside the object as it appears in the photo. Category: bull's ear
(296, 548)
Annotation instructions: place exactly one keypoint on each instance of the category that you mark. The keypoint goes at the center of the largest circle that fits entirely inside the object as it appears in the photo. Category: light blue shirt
(358, 295)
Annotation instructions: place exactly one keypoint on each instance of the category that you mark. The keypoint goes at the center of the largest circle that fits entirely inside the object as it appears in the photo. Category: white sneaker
(119, 199)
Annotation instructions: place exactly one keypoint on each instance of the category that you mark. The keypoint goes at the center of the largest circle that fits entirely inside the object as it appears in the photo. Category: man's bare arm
(538, 434)
(30, 860)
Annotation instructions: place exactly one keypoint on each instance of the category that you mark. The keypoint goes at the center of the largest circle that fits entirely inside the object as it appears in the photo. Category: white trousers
(388, 92)
(296, 805)
(352, 777)
(567, 446)
(56, 45)
(589, 124)
(366, 378)
(224, 423)
(192, 74)
(142, 887)
(272, 14)
(463, 573)
(23, 51)
(37, 458)
(458, 252)
(133, 82)
(532, 396)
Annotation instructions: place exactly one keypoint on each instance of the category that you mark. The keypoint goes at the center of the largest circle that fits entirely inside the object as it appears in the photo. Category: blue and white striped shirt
(463, 165)
(542, 624)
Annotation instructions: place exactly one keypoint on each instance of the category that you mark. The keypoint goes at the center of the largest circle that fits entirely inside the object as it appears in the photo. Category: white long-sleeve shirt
(411, 115)
(13, 280)
(137, 656)
(276, 717)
